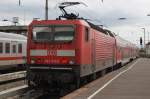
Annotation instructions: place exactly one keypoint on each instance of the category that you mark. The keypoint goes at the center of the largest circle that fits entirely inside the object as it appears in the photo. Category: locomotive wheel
(78, 83)
(103, 72)
(30, 84)
(83, 81)
(94, 76)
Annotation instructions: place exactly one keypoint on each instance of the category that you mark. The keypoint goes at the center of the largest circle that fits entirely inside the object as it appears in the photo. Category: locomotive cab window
(7, 48)
(53, 33)
(64, 33)
(86, 34)
(1, 47)
(42, 33)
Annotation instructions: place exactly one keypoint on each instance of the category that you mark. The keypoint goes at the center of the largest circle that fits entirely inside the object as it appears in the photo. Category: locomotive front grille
(38, 52)
(43, 52)
(65, 52)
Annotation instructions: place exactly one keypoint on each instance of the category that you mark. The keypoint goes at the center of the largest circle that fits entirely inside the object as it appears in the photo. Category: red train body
(68, 50)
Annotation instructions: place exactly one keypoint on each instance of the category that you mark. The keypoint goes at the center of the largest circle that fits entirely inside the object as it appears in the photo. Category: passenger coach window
(14, 48)
(7, 47)
(1, 47)
(86, 34)
(19, 48)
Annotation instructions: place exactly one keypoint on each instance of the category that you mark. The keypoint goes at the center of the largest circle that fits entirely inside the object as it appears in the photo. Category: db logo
(52, 53)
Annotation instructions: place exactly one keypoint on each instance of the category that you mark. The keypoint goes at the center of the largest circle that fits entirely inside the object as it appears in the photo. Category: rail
(13, 92)
(12, 76)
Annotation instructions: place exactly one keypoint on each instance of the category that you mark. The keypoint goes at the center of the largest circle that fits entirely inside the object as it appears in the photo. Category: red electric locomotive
(68, 49)
(65, 51)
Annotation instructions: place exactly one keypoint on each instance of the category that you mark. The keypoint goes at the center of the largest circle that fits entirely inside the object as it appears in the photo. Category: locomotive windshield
(53, 33)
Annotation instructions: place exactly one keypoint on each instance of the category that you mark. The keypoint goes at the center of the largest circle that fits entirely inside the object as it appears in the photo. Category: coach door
(114, 54)
(14, 52)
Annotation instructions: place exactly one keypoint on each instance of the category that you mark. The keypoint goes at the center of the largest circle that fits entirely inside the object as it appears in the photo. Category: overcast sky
(106, 13)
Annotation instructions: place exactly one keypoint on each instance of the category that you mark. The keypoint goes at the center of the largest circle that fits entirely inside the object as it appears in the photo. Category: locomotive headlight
(32, 61)
(71, 62)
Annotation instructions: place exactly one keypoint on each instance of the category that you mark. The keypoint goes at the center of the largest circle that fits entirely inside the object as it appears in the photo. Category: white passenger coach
(12, 50)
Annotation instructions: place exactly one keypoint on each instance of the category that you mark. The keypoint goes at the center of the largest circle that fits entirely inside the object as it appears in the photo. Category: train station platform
(130, 82)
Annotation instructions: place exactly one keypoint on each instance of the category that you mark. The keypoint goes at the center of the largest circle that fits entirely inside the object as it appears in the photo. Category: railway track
(23, 92)
(13, 92)
(11, 77)
(11, 80)
(12, 85)
(11, 70)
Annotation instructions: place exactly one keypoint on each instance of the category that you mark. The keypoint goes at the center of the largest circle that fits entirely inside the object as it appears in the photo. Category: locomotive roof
(122, 42)
(80, 21)
(5, 35)
(105, 31)
(95, 27)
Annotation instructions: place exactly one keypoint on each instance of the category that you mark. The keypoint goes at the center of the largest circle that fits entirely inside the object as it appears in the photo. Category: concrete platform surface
(130, 82)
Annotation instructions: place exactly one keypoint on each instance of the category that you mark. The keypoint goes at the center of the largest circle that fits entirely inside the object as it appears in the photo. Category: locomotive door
(93, 55)
(114, 53)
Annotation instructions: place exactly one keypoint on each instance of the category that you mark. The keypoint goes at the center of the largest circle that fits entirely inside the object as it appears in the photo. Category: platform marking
(105, 85)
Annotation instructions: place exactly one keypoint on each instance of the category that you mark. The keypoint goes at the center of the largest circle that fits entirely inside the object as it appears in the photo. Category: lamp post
(144, 36)
(148, 32)
(148, 37)
(46, 10)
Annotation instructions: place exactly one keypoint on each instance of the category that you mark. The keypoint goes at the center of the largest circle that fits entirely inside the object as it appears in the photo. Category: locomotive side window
(14, 48)
(1, 47)
(86, 34)
(7, 48)
(19, 48)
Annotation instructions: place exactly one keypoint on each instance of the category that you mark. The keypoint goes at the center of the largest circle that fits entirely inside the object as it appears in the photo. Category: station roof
(14, 29)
